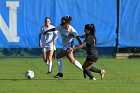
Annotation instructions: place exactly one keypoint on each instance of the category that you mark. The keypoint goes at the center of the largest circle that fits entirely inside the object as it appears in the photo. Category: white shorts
(66, 48)
(48, 48)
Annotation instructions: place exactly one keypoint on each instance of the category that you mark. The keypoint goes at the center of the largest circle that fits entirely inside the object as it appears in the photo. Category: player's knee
(49, 57)
(72, 61)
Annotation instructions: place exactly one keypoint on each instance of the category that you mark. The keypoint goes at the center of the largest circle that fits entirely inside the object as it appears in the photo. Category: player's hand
(54, 42)
(71, 35)
(70, 48)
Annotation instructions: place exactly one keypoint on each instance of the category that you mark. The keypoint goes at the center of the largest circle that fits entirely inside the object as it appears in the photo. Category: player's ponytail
(69, 19)
(91, 28)
(65, 20)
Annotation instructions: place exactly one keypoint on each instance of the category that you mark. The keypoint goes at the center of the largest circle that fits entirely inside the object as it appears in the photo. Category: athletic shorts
(66, 48)
(48, 48)
(92, 56)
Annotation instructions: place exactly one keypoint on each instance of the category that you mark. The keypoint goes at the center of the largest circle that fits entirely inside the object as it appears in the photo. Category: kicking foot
(93, 78)
(49, 72)
(58, 75)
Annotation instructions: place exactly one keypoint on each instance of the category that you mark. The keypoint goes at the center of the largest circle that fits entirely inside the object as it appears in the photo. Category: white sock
(59, 62)
(77, 64)
(50, 66)
(47, 62)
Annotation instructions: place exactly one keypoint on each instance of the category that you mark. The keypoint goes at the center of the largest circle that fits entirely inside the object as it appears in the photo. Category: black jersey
(90, 41)
(92, 54)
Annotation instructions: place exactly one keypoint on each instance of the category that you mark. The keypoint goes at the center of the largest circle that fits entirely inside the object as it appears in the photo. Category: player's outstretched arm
(80, 36)
(78, 47)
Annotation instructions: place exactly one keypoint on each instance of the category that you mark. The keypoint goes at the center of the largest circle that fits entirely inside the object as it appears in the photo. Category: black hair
(67, 20)
(91, 28)
(47, 18)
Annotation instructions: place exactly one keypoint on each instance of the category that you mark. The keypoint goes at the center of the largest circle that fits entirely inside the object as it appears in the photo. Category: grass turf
(121, 76)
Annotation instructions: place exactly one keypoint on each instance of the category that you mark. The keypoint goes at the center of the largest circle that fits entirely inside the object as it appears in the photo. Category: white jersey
(47, 39)
(65, 38)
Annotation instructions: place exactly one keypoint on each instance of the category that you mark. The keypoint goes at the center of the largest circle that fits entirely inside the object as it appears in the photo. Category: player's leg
(71, 58)
(96, 70)
(93, 59)
(59, 63)
(44, 55)
(86, 67)
(50, 54)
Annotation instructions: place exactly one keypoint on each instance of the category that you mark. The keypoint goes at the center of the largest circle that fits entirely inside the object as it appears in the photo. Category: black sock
(87, 71)
(84, 74)
(96, 70)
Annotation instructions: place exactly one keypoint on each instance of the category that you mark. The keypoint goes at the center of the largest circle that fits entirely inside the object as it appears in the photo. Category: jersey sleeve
(56, 31)
(90, 41)
(74, 32)
(87, 39)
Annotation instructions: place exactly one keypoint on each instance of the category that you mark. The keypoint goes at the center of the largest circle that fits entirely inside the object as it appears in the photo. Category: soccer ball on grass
(29, 74)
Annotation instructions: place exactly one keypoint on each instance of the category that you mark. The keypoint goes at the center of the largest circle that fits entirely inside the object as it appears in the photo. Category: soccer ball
(29, 74)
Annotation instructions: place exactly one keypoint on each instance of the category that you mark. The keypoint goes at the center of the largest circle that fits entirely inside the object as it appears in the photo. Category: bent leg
(96, 70)
(86, 67)
(71, 58)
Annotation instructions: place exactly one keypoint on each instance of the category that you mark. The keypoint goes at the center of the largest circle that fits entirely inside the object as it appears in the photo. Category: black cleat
(49, 72)
(58, 75)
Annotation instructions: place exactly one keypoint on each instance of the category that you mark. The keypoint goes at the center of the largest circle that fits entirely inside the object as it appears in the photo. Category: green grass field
(122, 76)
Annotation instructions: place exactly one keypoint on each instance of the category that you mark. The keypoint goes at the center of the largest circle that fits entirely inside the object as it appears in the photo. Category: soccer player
(68, 33)
(92, 54)
(47, 43)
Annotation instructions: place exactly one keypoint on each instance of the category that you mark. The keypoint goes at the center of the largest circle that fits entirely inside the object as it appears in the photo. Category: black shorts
(92, 56)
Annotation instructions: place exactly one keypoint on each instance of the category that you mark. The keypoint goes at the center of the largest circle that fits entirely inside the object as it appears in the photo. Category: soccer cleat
(93, 78)
(58, 75)
(49, 72)
(102, 74)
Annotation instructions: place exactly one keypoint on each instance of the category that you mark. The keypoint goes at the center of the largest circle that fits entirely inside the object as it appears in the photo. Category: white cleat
(93, 78)
(102, 74)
